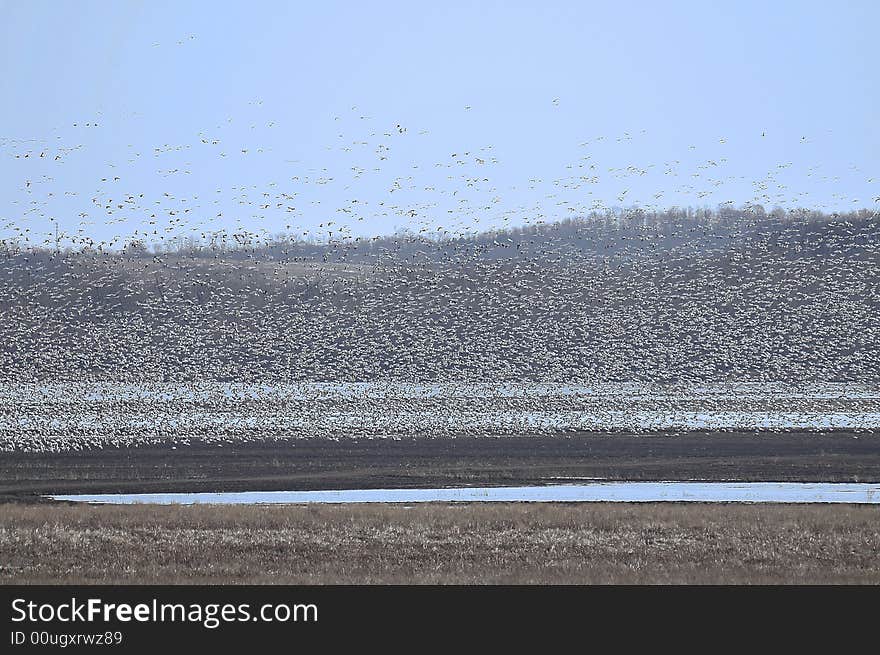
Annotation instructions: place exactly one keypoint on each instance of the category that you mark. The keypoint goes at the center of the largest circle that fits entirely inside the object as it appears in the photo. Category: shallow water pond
(615, 492)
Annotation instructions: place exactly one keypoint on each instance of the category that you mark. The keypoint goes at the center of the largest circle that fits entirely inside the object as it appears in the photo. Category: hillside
(712, 296)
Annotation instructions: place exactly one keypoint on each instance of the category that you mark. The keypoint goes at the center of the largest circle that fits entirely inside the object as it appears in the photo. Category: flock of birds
(144, 335)
(61, 417)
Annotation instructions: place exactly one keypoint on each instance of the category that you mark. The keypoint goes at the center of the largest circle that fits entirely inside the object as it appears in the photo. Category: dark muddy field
(305, 464)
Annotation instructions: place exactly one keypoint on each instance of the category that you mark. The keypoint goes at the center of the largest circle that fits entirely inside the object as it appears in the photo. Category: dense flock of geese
(63, 417)
(144, 335)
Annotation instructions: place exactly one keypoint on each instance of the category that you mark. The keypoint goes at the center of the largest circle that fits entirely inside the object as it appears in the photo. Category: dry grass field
(436, 543)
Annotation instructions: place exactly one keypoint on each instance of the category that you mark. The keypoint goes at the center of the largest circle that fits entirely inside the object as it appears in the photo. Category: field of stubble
(435, 543)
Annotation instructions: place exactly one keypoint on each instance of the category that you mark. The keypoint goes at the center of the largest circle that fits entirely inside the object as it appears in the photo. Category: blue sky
(551, 109)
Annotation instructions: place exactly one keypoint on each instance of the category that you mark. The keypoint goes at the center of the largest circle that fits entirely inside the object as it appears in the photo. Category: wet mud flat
(321, 464)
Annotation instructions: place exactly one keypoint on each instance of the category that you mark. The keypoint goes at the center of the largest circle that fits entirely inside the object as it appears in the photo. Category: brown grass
(472, 543)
